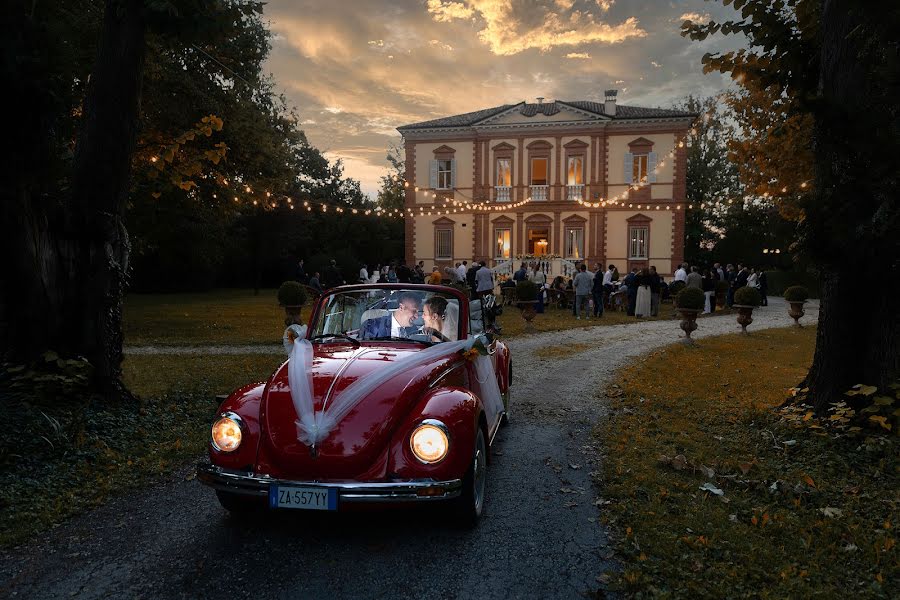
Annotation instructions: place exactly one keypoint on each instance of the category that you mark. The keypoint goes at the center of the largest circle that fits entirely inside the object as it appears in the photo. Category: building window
(575, 242)
(639, 168)
(538, 171)
(504, 239)
(444, 174)
(504, 172)
(443, 243)
(576, 170)
(638, 244)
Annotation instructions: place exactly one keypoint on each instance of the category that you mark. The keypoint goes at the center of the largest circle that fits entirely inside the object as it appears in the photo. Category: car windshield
(385, 314)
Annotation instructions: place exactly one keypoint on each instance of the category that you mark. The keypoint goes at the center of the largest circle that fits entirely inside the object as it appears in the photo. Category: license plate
(304, 498)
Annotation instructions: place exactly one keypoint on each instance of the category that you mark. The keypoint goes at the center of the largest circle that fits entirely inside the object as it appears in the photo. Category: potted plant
(292, 297)
(796, 295)
(689, 302)
(721, 292)
(745, 300)
(526, 296)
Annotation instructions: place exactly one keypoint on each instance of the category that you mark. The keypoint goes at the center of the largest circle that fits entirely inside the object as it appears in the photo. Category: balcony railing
(539, 192)
(575, 192)
(501, 193)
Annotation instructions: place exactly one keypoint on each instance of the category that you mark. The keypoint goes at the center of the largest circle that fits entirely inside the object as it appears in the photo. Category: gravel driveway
(539, 537)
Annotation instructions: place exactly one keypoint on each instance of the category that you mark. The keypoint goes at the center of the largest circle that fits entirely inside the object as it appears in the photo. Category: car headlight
(226, 433)
(430, 441)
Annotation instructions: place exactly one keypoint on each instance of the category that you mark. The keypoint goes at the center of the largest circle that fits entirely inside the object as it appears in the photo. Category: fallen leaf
(679, 462)
(708, 487)
(809, 481)
(707, 471)
(745, 467)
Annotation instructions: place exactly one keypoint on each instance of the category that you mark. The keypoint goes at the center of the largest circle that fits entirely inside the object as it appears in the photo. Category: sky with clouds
(358, 69)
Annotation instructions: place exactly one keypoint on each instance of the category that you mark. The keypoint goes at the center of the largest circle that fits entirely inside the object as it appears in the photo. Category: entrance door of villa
(537, 240)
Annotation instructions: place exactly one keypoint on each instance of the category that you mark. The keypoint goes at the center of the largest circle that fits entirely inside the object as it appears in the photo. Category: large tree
(837, 62)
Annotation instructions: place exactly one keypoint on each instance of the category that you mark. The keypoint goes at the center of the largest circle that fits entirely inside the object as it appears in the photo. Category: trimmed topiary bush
(747, 296)
(291, 293)
(526, 291)
(796, 293)
(676, 287)
(690, 298)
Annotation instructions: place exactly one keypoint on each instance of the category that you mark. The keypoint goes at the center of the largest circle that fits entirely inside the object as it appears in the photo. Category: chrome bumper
(417, 490)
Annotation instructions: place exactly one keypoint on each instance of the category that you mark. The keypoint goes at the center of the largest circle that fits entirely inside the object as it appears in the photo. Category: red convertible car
(393, 393)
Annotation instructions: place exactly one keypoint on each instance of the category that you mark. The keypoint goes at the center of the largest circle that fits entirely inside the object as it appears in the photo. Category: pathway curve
(539, 537)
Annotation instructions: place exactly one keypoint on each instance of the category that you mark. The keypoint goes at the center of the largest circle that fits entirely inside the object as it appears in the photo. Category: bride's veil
(451, 321)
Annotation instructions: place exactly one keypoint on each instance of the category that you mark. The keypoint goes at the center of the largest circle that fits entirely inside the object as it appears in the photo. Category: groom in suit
(398, 324)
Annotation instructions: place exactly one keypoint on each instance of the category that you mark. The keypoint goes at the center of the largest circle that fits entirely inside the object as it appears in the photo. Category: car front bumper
(250, 484)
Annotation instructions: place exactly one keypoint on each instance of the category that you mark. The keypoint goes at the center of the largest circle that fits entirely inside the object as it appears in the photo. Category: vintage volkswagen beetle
(424, 407)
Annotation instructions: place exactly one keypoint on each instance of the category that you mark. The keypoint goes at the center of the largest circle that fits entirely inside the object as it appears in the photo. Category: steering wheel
(435, 333)
(342, 336)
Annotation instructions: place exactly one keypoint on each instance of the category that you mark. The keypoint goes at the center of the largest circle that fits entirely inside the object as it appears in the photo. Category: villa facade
(563, 176)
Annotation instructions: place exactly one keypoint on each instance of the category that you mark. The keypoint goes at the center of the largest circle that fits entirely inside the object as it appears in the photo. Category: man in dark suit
(631, 284)
(398, 324)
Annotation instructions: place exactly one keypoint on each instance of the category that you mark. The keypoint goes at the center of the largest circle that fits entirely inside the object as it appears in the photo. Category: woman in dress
(642, 305)
(433, 313)
(753, 278)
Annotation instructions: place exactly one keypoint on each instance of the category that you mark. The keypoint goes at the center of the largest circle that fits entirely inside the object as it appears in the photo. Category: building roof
(549, 108)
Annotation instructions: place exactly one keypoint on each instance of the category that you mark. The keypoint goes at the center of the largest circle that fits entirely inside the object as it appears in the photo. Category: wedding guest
(333, 275)
(597, 290)
(471, 278)
(763, 288)
(363, 274)
(642, 300)
(608, 279)
(540, 279)
(694, 280)
(300, 272)
(752, 279)
(582, 283)
(709, 290)
(418, 275)
(655, 285)
(435, 277)
(631, 284)
(730, 276)
(392, 274)
(451, 274)
(314, 282)
(404, 273)
(521, 274)
(719, 272)
(681, 273)
(484, 278)
(461, 269)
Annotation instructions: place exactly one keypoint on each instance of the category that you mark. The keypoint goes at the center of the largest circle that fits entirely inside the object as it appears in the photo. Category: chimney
(540, 99)
(609, 107)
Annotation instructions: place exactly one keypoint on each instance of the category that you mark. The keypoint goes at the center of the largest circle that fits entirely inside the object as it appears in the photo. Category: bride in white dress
(642, 305)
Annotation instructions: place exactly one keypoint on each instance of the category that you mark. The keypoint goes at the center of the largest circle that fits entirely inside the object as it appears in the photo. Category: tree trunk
(72, 257)
(852, 220)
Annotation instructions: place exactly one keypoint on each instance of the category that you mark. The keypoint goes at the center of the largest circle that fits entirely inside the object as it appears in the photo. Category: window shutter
(651, 167)
(432, 174)
(452, 173)
(629, 167)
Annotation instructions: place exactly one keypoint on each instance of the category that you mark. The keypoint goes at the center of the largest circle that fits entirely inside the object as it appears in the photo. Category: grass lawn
(99, 451)
(788, 511)
(233, 317)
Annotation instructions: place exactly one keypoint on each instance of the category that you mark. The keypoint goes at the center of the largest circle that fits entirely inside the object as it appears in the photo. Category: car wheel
(238, 504)
(470, 504)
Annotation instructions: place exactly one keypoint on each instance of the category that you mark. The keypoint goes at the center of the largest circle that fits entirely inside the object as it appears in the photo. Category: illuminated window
(639, 168)
(576, 170)
(504, 172)
(637, 242)
(444, 174)
(574, 242)
(501, 249)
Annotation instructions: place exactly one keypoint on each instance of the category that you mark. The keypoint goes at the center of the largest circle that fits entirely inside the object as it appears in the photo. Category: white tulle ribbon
(314, 426)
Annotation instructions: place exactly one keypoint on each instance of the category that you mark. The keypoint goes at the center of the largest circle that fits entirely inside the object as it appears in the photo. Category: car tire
(470, 504)
(238, 504)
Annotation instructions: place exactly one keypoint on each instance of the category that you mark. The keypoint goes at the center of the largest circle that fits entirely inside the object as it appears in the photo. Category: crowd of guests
(638, 292)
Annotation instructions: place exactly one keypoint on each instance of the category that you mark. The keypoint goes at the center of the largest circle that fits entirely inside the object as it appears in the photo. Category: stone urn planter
(526, 297)
(745, 316)
(796, 296)
(688, 303)
(745, 300)
(528, 313)
(292, 297)
(688, 322)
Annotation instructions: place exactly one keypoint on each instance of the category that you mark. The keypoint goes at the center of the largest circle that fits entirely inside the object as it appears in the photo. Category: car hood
(357, 446)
